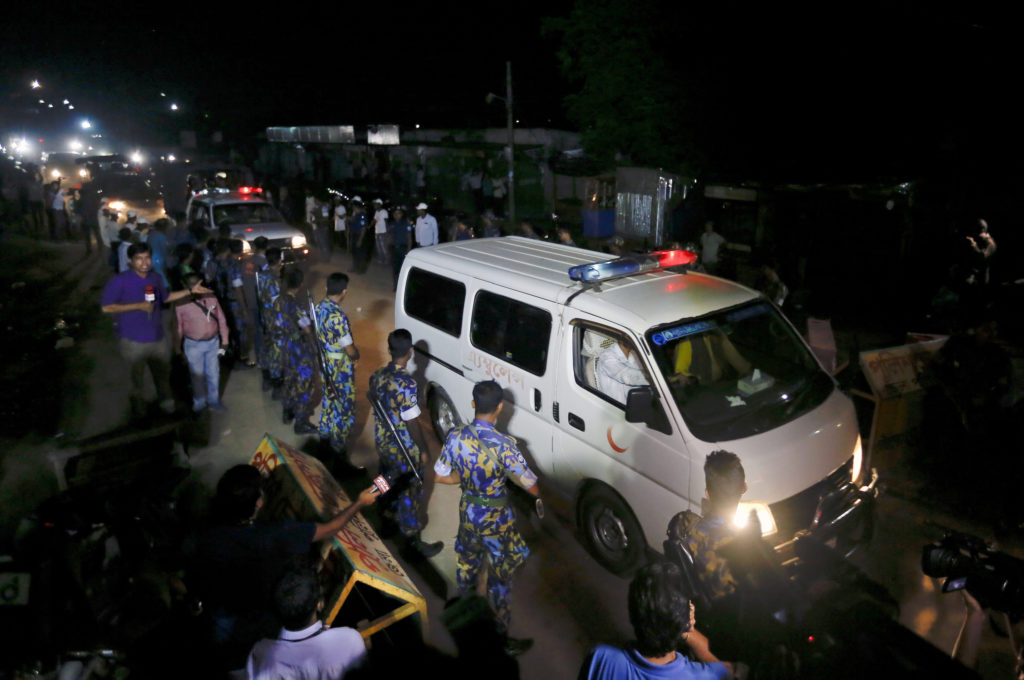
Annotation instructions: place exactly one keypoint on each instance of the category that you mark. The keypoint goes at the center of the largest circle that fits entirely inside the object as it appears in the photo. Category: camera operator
(987, 579)
(968, 641)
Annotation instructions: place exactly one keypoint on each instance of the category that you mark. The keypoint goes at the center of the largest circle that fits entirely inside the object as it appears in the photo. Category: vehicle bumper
(835, 508)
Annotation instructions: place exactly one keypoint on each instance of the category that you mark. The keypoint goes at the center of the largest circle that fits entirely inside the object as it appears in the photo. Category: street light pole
(511, 147)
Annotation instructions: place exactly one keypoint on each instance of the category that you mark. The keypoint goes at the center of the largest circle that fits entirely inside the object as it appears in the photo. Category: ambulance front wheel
(610, 531)
(443, 415)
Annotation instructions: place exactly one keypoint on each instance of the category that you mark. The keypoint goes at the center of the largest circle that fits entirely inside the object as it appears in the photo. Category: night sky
(871, 87)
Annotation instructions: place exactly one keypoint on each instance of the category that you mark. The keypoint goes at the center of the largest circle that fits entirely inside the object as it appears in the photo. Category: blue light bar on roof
(613, 269)
(629, 265)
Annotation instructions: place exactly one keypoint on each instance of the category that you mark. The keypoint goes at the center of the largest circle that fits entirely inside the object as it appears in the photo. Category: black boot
(275, 392)
(427, 550)
(266, 384)
(287, 416)
(517, 646)
(303, 426)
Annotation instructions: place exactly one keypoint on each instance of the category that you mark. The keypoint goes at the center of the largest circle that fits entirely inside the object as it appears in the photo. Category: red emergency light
(250, 190)
(674, 258)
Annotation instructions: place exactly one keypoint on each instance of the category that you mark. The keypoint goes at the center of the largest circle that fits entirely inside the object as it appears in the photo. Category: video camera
(994, 578)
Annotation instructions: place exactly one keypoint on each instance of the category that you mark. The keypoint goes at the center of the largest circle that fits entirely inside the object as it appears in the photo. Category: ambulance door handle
(577, 422)
(536, 399)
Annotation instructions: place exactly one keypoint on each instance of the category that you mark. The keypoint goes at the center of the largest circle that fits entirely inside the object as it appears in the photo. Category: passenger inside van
(706, 359)
(619, 370)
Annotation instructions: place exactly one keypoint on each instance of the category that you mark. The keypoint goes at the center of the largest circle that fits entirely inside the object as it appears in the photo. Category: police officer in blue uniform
(396, 391)
(482, 461)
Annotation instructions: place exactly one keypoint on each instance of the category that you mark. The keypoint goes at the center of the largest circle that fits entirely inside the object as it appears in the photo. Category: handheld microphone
(150, 297)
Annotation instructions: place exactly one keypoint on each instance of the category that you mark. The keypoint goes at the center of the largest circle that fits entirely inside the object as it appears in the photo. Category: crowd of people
(247, 305)
(266, 619)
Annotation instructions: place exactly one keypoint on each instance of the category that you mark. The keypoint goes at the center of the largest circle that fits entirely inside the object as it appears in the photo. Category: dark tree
(630, 103)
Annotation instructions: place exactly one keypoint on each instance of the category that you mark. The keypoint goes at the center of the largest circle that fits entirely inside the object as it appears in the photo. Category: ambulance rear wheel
(443, 415)
(610, 532)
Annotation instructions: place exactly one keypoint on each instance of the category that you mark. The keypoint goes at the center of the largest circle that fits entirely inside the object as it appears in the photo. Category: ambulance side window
(198, 214)
(511, 330)
(435, 300)
(589, 343)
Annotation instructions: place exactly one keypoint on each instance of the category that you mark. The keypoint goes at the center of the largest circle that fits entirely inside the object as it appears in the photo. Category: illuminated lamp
(674, 258)
(628, 265)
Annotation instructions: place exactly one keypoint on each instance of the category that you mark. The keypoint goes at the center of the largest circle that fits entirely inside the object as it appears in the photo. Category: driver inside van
(705, 359)
(618, 371)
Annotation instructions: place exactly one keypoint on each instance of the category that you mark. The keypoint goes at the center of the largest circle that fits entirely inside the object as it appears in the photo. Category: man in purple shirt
(136, 298)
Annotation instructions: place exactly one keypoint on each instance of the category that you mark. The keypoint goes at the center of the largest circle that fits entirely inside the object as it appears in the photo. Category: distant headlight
(83, 172)
(55, 174)
(858, 461)
(764, 516)
(116, 205)
(246, 247)
(298, 241)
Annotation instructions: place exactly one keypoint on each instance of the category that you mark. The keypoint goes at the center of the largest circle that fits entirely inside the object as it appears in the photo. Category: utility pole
(511, 154)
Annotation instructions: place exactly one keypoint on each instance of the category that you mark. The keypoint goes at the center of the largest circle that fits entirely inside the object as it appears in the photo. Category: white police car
(249, 216)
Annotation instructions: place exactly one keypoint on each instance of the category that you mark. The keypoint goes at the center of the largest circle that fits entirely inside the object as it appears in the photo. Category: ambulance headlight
(764, 516)
(858, 462)
(298, 242)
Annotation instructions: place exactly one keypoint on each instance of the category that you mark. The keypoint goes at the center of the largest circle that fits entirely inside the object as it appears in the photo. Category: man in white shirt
(380, 231)
(710, 242)
(340, 216)
(304, 649)
(426, 227)
(618, 371)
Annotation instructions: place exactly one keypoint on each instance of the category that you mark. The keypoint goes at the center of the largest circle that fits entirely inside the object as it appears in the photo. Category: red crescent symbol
(612, 443)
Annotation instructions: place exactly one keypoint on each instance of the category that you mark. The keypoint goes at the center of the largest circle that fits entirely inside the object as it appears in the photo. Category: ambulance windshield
(739, 372)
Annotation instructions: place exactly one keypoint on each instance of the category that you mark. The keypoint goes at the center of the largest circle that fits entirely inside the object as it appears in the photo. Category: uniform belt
(486, 501)
(334, 355)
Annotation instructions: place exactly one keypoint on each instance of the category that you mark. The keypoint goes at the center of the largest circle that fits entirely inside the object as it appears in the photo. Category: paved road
(561, 598)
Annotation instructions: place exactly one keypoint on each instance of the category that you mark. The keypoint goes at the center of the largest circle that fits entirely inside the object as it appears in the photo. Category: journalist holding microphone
(135, 298)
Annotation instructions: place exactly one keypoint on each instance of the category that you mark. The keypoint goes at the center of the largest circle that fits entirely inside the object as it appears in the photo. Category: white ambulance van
(620, 376)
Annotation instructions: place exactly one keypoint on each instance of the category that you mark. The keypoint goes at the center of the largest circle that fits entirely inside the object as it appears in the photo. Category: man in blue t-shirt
(662, 618)
(135, 298)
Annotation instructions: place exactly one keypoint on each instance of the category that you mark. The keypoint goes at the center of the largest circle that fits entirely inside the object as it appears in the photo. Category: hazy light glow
(86, 125)
(36, 85)
(764, 516)
(136, 157)
(174, 107)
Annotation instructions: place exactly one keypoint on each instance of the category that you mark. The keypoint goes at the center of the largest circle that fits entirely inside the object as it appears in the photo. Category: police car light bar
(250, 190)
(674, 258)
(630, 264)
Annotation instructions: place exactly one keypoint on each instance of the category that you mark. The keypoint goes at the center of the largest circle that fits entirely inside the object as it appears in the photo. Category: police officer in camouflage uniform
(338, 409)
(729, 615)
(268, 288)
(299, 360)
(396, 391)
(725, 482)
(482, 461)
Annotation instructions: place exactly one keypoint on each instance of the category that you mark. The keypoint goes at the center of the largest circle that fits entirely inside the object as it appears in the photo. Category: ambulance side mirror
(643, 407)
